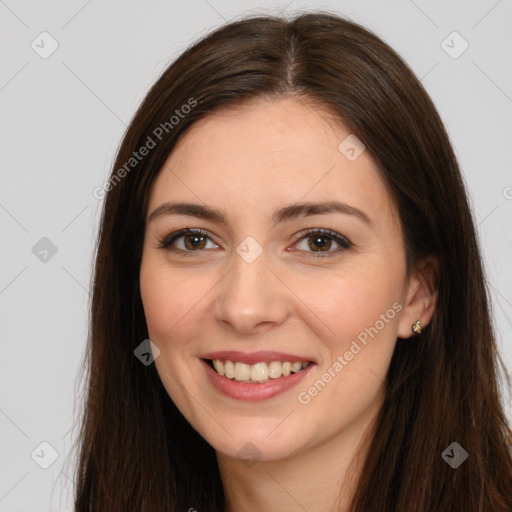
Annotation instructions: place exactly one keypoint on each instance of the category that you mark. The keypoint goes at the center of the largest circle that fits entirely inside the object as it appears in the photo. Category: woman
(289, 310)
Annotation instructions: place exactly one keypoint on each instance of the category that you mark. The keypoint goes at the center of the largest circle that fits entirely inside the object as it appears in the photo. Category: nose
(251, 298)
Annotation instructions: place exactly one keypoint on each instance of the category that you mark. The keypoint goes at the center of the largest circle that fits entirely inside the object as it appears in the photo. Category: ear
(420, 296)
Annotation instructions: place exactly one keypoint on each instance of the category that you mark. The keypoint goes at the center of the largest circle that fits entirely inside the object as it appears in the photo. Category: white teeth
(259, 372)
(242, 371)
(217, 363)
(296, 367)
(229, 369)
(275, 369)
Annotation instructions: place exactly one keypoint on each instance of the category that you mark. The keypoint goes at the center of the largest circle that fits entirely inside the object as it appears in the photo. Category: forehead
(263, 154)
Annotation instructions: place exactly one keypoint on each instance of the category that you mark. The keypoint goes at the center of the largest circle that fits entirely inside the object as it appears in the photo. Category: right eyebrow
(190, 209)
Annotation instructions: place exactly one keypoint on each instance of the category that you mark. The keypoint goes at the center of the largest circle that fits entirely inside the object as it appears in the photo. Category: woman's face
(269, 284)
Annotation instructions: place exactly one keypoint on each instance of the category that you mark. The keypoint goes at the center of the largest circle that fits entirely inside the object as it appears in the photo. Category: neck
(321, 478)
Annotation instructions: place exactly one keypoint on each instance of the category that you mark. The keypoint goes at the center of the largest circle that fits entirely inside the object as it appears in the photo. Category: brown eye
(194, 241)
(320, 241)
(187, 240)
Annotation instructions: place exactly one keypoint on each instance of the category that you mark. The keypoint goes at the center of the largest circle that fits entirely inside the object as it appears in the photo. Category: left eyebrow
(306, 209)
(283, 214)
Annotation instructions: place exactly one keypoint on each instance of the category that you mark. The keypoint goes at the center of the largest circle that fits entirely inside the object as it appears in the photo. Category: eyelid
(344, 242)
(340, 239)
(165, 241)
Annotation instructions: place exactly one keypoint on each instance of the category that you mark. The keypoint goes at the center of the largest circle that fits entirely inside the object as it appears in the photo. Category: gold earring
(417, 327)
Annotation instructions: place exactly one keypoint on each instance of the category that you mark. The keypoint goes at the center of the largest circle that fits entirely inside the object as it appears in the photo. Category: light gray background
(63, 118)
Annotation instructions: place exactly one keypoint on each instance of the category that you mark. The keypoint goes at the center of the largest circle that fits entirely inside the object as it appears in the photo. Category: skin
(249, 161)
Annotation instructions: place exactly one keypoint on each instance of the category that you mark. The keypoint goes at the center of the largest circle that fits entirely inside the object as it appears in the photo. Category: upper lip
(254, 357)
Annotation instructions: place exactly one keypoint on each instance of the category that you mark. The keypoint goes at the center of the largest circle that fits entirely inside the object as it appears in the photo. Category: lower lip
(247, 391)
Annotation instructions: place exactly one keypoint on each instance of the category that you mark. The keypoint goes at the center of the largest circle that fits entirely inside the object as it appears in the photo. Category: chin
(261, 441)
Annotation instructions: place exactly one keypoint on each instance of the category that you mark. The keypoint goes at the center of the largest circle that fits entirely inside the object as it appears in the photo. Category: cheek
(361, 311)
(348, 303)
(168, 301)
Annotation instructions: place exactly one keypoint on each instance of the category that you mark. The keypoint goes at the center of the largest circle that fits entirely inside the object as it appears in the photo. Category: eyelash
(166, 241)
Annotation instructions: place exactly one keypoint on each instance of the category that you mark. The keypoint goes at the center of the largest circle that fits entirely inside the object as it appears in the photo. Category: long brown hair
(136, 451)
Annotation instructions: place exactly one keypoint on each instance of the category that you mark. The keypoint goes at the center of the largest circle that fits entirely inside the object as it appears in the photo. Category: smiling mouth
(258, 373)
